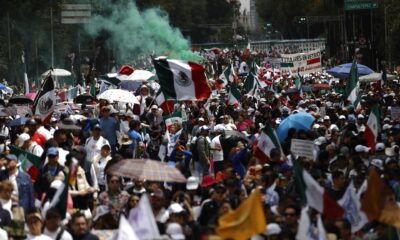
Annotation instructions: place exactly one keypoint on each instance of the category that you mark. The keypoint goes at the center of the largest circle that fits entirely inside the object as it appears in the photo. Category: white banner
(302, 148)
(306, 63)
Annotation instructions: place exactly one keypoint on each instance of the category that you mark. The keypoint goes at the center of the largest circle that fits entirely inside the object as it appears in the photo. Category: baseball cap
(23, 138)
(342, 117)
(201, 119)
(192, 183)
(175, 208)
(362, 148)
(360, 116)
(52, 151)
(380, 147)
(327, 118)
(11, 157)
(320, 141)
(377, 163)
(204, 128)
(97, 126)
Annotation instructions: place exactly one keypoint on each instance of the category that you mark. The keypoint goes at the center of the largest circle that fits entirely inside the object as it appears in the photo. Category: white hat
(377, 163)
(362, 148)
(320, 141)
(380, 146)
(201, 119)
(316, 126)
(273, 229)
(327, 118)
(342, 117)
(192, 183)
(360, 116)
(204, 128)
(174, 230)
(175, 208)
(386, 126)
(22, 139)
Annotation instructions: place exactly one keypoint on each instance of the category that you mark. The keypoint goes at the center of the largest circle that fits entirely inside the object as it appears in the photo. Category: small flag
(308, 229)
(166, 105)
(315, 195)
(125, 230)
(234, 95)
(26, 81)
(29, 162)
(45, 100)
(171, 119)
(267, 141)
(353, 87)
(372, 128)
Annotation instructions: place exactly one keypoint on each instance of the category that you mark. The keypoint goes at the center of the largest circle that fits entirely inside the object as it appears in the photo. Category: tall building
(253, 16)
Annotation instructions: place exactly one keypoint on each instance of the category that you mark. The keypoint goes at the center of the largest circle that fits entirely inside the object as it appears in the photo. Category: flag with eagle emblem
(182, 80)
(267, 141)
(45, 100)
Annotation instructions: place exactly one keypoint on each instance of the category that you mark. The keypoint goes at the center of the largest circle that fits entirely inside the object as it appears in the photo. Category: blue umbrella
(343, 71)
(298, 121)
(17, 122)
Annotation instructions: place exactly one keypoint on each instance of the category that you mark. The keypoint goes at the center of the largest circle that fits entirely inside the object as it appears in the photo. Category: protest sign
(302, 148)
(303, 63)
(395, 113)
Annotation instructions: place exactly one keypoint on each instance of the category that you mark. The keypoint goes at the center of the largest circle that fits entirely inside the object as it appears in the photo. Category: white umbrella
(137, 75)
(373, 77)
(118, 95)
(57, 72)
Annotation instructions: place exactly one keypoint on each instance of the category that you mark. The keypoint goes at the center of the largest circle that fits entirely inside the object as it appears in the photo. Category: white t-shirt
(93, 147)
(217, 154)
(35, 149)
(65, 235)
(40, 237)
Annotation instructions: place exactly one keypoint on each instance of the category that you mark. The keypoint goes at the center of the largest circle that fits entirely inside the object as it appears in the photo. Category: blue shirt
(136, 138)
(109, 127)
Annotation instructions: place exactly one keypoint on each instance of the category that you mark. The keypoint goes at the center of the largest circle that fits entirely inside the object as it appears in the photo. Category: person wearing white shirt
(94, 143)
(25, 142)
(216, 149)
(99, 163)
(53, 227)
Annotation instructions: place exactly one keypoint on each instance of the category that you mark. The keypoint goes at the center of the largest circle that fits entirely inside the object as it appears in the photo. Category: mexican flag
(353, 87)
(310, 227)
(182, 80)
(166, 105)
(45, 100)
(251, 84)
(372, 128)
(171, 119)
(267, 141)
(299, 85)
(29, 162)
(228, 76)
(234, 95)
(315, 195)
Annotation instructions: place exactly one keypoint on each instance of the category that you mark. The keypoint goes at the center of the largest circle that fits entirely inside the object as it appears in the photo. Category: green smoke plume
(134, 33)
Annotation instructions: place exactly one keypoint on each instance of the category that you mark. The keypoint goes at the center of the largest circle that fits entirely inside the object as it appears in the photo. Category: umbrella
(235, 134)
(57, 72)
(20, 110)
(343, 71)
(146, 169)
(373, 77)
(17, 122)
(84, 98)
(298, 121)
(20, 100)
(118, 95)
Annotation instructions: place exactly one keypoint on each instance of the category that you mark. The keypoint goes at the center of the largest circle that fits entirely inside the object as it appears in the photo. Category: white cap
(175, 208)
(174, 230)
(360, 116)
(386, 126)
(327, 118)
(362, 148)
(380, 146)
(23, 138)
(192, 183)
(342, 117)
(273, 229)
(316, 126)
(320, 141)
(201, 119)
(377, 163)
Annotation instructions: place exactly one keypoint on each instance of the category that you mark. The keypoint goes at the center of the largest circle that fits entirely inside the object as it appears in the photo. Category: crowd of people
(221, 170)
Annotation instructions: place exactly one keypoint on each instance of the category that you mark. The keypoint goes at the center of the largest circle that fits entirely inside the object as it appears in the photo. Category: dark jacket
(25, 189)
(5, 217)
(45, 177)
(87, 236)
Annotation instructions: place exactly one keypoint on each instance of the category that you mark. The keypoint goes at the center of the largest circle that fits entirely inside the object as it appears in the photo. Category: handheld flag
(372, 128)
(45, 100)
(182, 80)
(247, 220)
(353, 87)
